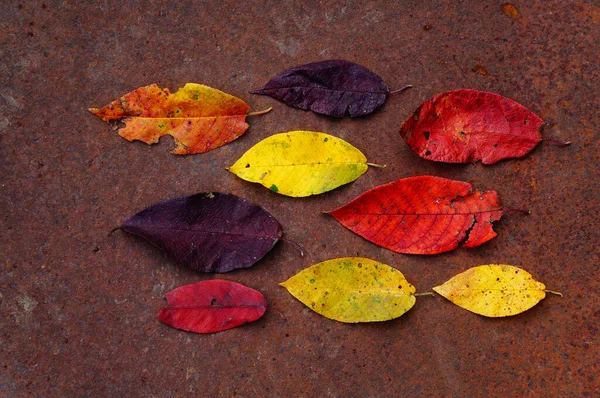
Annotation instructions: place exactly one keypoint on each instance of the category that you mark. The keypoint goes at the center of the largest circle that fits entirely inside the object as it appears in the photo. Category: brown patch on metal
(510, 10)
(479, 70)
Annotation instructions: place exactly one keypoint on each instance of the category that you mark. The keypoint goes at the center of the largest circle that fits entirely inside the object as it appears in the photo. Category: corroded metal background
(78, 308)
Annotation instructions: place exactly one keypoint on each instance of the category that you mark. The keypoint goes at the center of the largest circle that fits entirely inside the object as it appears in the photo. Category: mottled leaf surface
(209, 232)
(422, 215)
(353, 289)
(301, 163)
(465, 126)
(493, 290)
(332, 88)
(199, 118)
(212, 306)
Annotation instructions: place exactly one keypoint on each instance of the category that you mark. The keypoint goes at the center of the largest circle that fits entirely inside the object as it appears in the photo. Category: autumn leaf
(464, 126)
(494, 290)
(422, 215)
(353, 289)
(212, 306)
(301, 163)
(199, 118)
(208, 232)
(332, 88)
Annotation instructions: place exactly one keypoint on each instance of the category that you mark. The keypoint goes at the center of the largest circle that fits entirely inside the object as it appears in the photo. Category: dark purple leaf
(332, 88)
(209, 232)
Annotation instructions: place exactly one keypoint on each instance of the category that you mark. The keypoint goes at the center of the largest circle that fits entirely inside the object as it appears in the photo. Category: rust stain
(510, 10)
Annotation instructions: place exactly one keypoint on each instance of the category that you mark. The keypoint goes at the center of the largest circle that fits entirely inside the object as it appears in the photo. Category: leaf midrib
(210, 232)
(327, 89)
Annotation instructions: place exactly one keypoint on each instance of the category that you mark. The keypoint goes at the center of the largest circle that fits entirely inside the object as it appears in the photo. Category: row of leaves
(351, 290)
(458, 126)
(216, 232)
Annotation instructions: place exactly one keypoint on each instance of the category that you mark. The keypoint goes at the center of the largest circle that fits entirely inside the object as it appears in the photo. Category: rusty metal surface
(78, 308)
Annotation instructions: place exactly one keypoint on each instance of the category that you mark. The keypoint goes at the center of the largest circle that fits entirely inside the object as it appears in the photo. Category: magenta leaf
(208, 232)
(212, 306)
(332, 88)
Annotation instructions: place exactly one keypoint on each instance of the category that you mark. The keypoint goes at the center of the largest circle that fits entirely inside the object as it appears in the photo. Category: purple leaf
(331, 88)
(209, 232)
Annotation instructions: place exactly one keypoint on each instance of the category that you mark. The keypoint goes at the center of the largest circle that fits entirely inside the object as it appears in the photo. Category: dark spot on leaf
(247, 165)
(426, 134)
(427, 153)
(213, 302)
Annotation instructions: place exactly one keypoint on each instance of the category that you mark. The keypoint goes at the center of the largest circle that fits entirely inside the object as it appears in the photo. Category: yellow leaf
(301, 163)
(353, 289)
(493, 290)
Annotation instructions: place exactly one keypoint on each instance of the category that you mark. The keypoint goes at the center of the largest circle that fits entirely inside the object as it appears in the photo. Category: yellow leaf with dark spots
(494, 290)
(301, 163)
(353, 289)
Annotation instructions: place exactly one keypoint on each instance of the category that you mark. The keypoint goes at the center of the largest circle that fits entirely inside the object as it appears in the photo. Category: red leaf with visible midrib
(422, 215)
(463, 126)
(212, 306)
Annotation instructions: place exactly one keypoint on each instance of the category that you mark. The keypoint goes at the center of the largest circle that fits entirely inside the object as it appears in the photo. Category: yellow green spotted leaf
(494, 290)
(353, 289)
(301, 163)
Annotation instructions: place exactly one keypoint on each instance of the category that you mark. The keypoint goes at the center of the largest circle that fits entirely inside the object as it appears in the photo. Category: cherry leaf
(465, 126)
(422, 215)
(212, 306)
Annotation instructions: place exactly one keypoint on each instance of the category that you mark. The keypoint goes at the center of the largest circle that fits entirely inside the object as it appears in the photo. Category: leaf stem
(295, 244)
(401, 89)
(269, 109)
(556, 142)
(113, 231)
(554, 292)
(518, 211)
(279, 312)
(424, 294)
(376, 165)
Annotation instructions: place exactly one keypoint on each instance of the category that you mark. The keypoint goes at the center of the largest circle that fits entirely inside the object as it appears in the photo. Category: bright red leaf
(422, 215)
(464, 126)
(212, 306)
